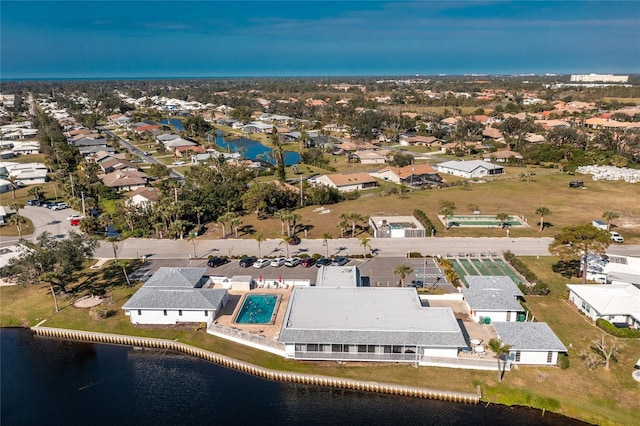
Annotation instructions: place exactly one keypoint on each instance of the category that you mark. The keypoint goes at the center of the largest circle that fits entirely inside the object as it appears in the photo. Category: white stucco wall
(158, 317)
(441, 352)
(577, 300)
(495, 316)
(534, 358)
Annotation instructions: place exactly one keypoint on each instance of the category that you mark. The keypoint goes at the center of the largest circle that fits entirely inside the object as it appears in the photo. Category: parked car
(616, 237)
(292, 262)
(214, 262)
(419, 283)
(278, 261)
(247, 261)
(75, 221)
(261, 263)
(323, 262)
(178, 163)
(59, 206)
(339, 261)
(307, 262)
(47, 204)
(73, 216)
(576, 184)
(33, 202)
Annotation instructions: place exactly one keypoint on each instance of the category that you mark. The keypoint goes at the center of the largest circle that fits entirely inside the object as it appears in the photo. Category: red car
(75, 221)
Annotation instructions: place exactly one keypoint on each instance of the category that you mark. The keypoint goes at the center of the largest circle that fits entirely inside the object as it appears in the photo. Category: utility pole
(301, 194)
(83, 210)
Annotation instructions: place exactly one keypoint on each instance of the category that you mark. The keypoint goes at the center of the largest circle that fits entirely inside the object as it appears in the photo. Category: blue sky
(92, 39)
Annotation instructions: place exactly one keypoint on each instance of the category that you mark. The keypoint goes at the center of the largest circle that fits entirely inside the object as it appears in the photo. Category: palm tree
(36, 192)
(402, 271)
(609, 216)
(199, 211)
(502, 352)
(364, 242)
(286, 241)
(542, 212)
(18, 221)
(192, 238)
(223, 220)
(259, 238)
(447, 208)
(13, 181)
(235, 223)
(325, 237)
(502, 217)
(342, 225)
(281, 214)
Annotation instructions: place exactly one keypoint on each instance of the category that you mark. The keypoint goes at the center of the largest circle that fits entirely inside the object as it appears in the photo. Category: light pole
(83, 210)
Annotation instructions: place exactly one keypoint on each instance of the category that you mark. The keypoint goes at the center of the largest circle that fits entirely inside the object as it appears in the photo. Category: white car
(59, 206)
(261, 263)
(178, 163)
(615, 237)
(74, 216)
(292, 261)
(278, 261)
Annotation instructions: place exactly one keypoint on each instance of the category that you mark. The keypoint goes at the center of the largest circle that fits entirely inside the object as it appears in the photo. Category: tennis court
(483, 266)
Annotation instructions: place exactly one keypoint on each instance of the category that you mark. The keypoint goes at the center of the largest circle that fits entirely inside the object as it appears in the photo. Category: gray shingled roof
(367, 315)
(492, 293)
(176, 277)
(470, 165)
(176, 298)
(529, 336)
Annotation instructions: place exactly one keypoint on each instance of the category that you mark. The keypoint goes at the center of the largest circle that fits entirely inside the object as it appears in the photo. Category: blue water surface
(254, 150)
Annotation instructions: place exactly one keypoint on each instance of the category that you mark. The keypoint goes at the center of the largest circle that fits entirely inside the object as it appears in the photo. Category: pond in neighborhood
(254, 150)
(175, 122)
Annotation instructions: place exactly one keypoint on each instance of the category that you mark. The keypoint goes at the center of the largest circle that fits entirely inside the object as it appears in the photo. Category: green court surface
(484, 267)
(479, 264)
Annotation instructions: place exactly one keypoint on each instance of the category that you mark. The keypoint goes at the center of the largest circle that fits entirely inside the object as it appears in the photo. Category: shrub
(520, 267)
(539, 289)
(424, 220)
(317, 256)
(414, 254)
(563, 361)
(611, 329)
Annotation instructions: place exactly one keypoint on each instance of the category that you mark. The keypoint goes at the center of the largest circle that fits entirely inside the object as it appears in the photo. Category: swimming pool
(258, 309)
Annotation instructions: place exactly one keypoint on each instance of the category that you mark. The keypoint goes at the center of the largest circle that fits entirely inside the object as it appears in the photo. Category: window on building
(549, 356)
(586, 307)
(517, 356)
(397, 349)
(206, 313)
(371, 348)
(165, 312)
(362, 348)
(387, 349)
(312, 347)
(337, 348)
(139, 311)
(179, 312)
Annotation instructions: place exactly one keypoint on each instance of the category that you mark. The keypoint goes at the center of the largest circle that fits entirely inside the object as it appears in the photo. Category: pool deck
(484, 221)
(228, 314)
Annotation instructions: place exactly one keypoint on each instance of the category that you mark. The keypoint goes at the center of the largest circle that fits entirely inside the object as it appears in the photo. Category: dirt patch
(87, 302)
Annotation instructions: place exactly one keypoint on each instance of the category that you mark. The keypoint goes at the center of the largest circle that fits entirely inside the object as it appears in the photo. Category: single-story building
(367, 156)
(502, 156)
(470, 169)
(367, 324)
(338, 276)
(532, 343)
(411, 175)
(175, 295)
(494, 297)
(617, 303)
(27, 173)
(257, 127)
(125, 180)
(396, 227)
(144, 196)
(346, 182)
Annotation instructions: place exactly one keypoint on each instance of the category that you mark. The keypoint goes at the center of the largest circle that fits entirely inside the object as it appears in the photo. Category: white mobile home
(494, 297)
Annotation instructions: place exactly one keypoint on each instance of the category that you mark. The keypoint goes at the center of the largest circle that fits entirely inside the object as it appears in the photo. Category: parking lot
(378, 269)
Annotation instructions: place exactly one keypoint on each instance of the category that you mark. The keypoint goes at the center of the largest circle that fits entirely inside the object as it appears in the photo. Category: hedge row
(615, 331)
(424, 220)
(520, 267)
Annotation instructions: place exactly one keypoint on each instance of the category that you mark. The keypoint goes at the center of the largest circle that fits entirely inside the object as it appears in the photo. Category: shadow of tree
(566, 268)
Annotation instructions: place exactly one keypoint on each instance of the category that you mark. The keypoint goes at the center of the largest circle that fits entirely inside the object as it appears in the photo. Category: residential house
(144, 196)
(125, 180)
(412, 175)
(470, 169)
(617, 303)
(366, 156)
(494, 297)
(367, 324)
(346, 182)
(502, 156)
(176, 295)
(112, 164)
(406, 140)
(26, 148)
(531, 343)
(26, 173)
(257, 127)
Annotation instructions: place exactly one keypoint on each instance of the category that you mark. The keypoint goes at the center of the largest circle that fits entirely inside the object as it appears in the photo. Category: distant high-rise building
(604, 78)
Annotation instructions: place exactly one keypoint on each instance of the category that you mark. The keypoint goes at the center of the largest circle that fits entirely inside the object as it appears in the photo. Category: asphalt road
(137, 151)
(43, 219)
(388, 247)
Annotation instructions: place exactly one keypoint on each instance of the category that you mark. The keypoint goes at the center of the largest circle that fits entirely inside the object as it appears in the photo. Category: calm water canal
(48, 381)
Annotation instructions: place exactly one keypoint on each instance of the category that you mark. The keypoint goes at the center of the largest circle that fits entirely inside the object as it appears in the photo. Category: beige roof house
(346, 182)
(125, 180)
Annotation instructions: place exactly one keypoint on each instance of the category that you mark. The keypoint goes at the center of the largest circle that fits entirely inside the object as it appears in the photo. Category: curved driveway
(43, 219)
